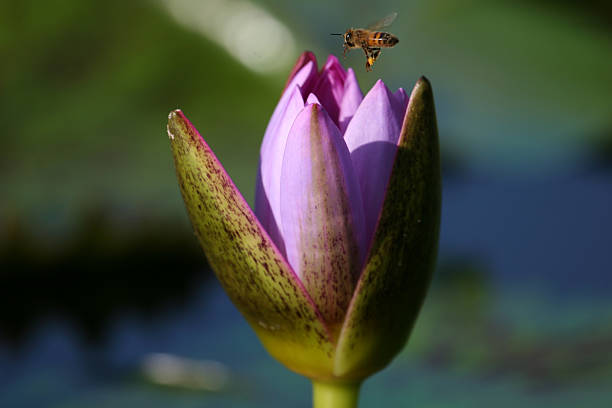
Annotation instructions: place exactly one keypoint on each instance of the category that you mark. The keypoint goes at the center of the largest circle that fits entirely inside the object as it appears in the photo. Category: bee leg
(371, 55)
(374, 53)
(346, 49)
(368, 66)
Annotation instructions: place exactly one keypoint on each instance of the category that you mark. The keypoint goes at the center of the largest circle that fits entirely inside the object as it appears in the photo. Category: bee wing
(383, 22)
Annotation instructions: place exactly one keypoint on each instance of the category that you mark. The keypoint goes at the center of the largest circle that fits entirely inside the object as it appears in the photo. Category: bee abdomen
(382, 39)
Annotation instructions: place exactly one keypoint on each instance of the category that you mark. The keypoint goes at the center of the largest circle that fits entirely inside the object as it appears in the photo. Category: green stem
(335, 395)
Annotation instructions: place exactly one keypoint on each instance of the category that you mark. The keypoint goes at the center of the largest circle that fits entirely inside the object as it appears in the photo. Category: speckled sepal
(252, 271)
(401, 259)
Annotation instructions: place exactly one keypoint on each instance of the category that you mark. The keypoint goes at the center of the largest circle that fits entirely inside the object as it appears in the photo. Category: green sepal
(250, 268)
(400, 263)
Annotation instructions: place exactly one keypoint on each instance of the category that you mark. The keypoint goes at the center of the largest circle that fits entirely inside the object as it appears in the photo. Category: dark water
(553, 231)
(519, 314)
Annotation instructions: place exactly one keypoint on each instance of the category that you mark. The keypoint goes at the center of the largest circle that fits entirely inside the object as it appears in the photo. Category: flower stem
(335, 395)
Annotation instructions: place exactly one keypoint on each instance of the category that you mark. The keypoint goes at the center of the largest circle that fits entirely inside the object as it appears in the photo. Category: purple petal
(307, 74)
(312, 98)
(304, 59)
(400, 104)
(350, 100)
(330, 87)
(371, 137)
(322, 212)
(263, 211)
(267, 190)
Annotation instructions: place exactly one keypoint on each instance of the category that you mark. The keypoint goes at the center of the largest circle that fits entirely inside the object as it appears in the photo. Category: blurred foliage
(86, 88)
(85, 92)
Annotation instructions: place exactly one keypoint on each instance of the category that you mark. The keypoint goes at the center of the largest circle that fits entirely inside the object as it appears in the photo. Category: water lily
(332, 267)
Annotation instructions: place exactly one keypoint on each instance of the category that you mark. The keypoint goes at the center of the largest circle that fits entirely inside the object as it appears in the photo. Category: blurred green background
(105, 298)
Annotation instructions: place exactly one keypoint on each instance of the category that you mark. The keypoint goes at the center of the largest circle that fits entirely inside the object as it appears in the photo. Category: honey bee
(370, 40)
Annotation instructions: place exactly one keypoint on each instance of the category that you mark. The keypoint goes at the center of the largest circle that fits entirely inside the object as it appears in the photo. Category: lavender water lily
(333, 266)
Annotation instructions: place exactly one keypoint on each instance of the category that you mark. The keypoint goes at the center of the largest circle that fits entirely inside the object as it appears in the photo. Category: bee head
(348, 38)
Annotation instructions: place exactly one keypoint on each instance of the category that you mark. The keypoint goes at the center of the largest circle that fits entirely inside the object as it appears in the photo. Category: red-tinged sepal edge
(250, 268)
(401, 259)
